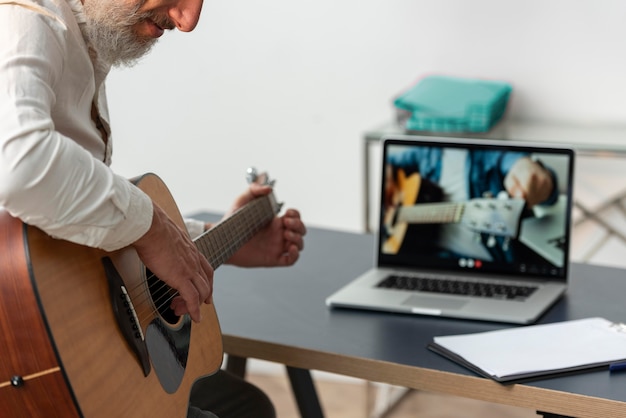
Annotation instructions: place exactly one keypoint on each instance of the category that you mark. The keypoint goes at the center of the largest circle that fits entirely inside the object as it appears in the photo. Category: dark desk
(279, 315)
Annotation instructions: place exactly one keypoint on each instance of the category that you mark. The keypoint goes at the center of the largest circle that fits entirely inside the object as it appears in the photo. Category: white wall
(291, 85)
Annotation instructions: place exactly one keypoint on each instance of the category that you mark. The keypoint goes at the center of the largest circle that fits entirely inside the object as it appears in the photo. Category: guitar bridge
(126, 316)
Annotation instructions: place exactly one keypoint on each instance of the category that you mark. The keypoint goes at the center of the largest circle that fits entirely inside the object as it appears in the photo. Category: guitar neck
(219, 243)
(431, 213)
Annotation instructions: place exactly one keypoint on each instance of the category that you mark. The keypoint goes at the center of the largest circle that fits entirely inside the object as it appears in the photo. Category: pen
(616, 367)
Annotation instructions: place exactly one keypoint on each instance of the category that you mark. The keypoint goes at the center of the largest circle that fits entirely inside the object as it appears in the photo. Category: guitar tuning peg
(503, 195)
(491, 241)
(251, 175)
(264, 179)
(505, 244)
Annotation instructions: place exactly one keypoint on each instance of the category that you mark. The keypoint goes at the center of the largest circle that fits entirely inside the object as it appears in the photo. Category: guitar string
(164, 289)
(161, 303)
(167, 292)
(254, 223)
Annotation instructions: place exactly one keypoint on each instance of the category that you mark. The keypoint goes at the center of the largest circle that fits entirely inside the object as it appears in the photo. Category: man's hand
(530, 181)
(278, 244)
(170, 254)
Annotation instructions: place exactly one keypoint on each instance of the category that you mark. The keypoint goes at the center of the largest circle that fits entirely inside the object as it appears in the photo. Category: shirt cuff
(195, 227)
(137, 219)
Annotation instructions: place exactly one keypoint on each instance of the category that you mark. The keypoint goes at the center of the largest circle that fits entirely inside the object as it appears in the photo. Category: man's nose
(185, 14)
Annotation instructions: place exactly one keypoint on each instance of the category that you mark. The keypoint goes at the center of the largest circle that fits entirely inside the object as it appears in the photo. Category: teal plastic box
(451, 104)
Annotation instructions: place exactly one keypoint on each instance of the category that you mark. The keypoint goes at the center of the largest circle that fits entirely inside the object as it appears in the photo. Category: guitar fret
(220, 242)
(431, 213)
(487, 215)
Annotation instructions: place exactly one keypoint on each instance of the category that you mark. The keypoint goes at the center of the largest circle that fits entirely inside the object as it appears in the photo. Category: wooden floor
(356, 399)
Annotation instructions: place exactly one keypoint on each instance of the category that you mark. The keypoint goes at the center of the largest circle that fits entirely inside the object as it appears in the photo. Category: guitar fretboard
(431, 213)
(219, 243)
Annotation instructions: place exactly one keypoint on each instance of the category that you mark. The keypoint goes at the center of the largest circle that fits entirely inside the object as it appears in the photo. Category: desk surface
(279, 315)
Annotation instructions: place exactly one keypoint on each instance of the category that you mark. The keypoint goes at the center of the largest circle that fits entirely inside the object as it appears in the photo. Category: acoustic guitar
(494, 216)
(89, 333)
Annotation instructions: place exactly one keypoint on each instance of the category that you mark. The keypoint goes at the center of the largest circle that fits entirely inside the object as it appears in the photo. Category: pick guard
(169, 348)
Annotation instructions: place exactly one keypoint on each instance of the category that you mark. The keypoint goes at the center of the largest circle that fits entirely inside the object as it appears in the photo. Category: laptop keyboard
(457, 287)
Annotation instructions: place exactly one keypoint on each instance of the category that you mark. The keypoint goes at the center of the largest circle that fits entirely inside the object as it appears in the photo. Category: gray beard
(109, 29)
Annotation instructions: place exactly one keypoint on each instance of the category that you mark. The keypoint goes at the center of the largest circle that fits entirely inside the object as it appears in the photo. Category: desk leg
(366, 186)
(304, 392)
(551, 415)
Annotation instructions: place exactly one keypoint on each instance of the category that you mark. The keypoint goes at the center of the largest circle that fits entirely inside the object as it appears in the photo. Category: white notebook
(515, 354)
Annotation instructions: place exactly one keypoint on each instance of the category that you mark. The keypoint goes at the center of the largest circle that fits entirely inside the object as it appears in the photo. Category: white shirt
(54, 161)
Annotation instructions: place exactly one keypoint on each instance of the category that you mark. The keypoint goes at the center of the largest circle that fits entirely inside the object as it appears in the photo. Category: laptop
(454, 241)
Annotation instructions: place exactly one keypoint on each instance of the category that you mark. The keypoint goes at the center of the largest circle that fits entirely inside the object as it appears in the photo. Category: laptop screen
(458, 205)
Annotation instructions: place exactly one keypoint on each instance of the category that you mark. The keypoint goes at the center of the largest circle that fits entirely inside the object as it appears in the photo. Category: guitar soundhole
(162, 296)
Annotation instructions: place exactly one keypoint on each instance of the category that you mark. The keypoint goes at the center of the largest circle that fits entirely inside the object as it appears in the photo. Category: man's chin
(118, 46)
(129, 56)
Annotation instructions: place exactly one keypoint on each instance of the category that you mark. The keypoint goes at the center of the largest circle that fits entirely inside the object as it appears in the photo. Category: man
(55, 151)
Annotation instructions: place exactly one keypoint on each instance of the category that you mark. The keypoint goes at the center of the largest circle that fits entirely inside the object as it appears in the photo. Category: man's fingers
(202, 287)
(191, 300)
(513, 187)
(193, 293)
(291, 256)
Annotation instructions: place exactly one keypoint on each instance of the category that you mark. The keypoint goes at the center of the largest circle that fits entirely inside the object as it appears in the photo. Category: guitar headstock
(499, 217)
(253, 176)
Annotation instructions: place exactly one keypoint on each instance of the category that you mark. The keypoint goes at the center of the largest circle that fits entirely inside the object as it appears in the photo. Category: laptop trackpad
(433, 303)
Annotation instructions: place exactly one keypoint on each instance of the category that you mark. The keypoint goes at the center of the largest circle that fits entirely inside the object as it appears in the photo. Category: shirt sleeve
(195, 227)
(47, 179)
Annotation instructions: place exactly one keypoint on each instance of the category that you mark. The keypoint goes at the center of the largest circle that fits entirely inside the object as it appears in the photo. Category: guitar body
(405, 237)
(31, 381)
(99, 375)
